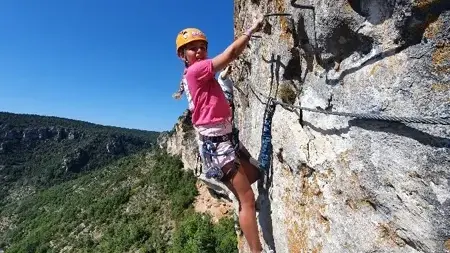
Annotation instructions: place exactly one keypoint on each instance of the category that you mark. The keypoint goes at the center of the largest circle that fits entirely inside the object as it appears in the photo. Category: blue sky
(108, 62)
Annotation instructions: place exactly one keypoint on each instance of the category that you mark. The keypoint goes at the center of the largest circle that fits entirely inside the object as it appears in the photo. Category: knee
(248, 199)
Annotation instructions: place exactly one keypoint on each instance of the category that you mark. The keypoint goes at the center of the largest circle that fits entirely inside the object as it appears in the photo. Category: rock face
(181, 141)
(34, 134)
(75, 161)
(340, 184)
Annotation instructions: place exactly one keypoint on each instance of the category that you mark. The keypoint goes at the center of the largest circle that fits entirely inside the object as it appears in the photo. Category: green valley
(72, 186)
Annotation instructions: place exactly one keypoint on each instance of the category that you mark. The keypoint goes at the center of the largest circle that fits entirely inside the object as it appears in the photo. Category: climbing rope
(277, 15)
(421, 120)
(440, 121)
(265, 152)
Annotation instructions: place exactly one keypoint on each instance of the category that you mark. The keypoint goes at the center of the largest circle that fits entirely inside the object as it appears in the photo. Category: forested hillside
(140, 203)
(39, 151)
(74, 186)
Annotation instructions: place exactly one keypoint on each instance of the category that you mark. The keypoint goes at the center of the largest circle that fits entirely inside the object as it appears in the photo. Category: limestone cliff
(181, 141)
(340, 184)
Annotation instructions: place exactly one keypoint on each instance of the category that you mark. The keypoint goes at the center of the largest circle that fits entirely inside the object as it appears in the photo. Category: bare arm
(224, 74)
(235, 49)
(230, 54)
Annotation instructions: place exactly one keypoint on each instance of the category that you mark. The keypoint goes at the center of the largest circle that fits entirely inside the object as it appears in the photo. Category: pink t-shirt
(209, 103)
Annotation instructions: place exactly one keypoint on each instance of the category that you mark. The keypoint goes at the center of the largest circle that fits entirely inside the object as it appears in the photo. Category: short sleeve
(202, 70)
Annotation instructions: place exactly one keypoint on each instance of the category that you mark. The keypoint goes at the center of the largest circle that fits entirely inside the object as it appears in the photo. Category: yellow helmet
(188, 35)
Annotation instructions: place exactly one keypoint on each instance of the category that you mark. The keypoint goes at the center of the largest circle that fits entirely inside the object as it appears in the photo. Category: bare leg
(240, 186)
(252, 172)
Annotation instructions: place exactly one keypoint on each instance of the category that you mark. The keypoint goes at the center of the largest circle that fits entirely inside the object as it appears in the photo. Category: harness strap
(217, 139)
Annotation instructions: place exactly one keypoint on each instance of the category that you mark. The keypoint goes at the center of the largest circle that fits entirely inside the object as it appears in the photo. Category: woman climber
(212, 120)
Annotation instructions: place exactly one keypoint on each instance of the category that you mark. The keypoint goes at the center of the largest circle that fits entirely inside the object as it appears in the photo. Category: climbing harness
(209, 151)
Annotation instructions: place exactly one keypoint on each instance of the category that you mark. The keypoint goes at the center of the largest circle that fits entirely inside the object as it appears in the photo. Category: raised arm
(235, 49)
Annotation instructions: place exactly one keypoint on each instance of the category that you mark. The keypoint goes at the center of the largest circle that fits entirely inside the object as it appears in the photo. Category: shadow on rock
(265, 210)
(332, 131)
(403, 130)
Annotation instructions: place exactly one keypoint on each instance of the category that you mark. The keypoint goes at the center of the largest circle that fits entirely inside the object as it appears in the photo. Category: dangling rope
(265, 152)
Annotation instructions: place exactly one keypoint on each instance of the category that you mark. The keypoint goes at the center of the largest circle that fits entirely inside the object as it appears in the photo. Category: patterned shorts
(222, 147)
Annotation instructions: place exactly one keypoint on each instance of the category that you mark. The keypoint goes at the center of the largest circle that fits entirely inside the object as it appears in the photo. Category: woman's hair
(179, 93)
